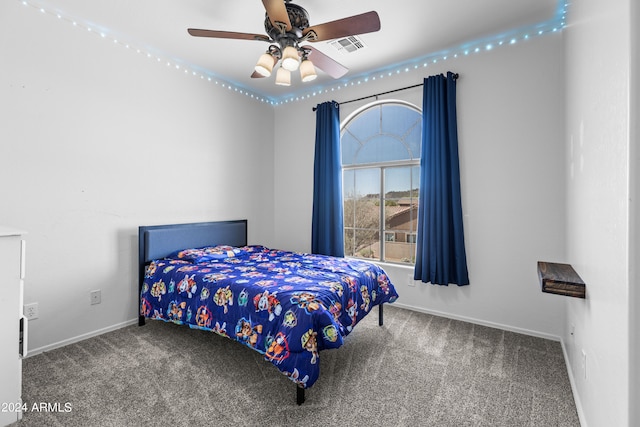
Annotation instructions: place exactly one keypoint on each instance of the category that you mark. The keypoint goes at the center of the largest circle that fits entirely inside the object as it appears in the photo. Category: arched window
(381, 145)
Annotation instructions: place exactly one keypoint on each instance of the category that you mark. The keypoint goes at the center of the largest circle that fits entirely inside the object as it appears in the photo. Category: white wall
(598, 48)
(634, 216)
(511, 132)
(97, 140)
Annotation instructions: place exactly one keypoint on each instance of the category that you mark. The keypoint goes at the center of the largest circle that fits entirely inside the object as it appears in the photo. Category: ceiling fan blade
(325, 63)
(358, 24)
(227, 35)
(277, 12)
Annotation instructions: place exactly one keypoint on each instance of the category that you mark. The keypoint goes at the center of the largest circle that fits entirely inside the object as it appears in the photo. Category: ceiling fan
(287, 28)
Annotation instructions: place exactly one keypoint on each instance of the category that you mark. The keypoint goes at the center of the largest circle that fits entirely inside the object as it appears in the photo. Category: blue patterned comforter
(285, 305)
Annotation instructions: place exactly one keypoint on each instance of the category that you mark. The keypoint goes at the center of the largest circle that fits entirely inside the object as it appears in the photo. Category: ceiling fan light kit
(287, 26)
(264, 67)
(283, 77)
(307, 71)
(290, 58)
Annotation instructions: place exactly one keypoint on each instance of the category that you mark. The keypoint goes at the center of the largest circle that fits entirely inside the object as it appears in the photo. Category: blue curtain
(441, 257)
(327, 222)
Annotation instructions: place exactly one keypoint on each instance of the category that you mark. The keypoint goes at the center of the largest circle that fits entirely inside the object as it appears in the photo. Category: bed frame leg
(140, 320)
(299, 395)
(380, 315)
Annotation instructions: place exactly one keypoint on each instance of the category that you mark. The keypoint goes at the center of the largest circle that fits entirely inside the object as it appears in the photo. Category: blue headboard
(158, 241)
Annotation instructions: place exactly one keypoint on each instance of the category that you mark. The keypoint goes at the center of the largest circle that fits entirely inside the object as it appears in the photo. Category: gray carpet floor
(416, 370)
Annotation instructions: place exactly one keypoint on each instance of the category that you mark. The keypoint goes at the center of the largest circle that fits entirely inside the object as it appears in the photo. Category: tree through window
(381, 146)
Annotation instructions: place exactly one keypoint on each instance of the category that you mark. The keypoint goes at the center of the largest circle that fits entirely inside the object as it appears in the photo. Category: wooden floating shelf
(560, 279)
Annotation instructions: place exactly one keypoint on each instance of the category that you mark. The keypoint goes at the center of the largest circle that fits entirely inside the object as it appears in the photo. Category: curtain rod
(455, 76)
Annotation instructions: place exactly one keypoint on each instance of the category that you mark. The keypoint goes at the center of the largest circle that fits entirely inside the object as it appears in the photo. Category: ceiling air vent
(348, 44)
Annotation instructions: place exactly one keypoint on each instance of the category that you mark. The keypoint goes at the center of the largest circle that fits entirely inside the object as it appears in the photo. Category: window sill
(385, 264)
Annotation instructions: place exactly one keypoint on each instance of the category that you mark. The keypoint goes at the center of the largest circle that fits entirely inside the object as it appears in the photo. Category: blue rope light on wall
(557, 23)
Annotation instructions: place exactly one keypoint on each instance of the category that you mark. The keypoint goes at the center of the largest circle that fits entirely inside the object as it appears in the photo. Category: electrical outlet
(30, 311)
(96, 297)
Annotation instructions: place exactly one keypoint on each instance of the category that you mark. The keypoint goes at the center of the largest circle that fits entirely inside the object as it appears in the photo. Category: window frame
(381, 166)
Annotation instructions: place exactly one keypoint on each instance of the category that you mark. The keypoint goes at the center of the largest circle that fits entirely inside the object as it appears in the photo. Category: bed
(287, 306)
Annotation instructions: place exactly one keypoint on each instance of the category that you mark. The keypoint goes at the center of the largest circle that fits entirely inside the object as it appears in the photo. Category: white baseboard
(49, 347)
(480, 322)
(574, 390)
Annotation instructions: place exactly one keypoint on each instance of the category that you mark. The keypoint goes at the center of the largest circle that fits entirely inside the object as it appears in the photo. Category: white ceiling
(412, 31)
